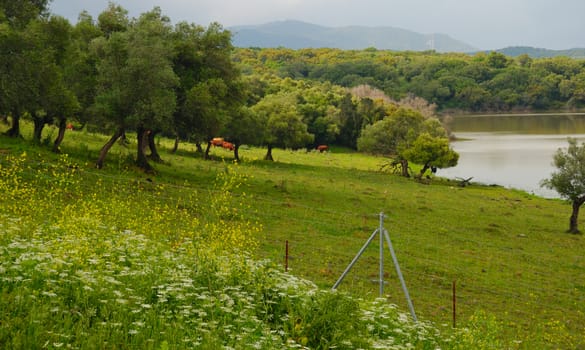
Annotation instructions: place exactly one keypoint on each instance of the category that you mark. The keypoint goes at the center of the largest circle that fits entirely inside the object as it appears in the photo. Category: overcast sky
(485, 24)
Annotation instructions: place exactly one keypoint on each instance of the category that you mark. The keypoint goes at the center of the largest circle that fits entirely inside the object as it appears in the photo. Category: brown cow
(228, 145)
(217, 141)
(322, 148)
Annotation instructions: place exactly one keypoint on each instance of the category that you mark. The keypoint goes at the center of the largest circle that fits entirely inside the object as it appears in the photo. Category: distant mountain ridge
(297, 35)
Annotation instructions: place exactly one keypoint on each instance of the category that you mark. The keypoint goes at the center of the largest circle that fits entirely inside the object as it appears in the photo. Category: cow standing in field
(220, 142)
(322, 148)
(228, 145)
(217, 141)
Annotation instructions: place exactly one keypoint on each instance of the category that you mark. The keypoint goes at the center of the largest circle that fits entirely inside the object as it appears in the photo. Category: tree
(569, 179)
(152, 79)
(136, 81)
(210, 92)
(284, 126)
(206, 112)
(80, 68)
(19, 13)
(245, 127)
(396, 134)
(14, 79)
(431, 152)
(50, 98)
(351, 122)
(317, 104)
(113, 19)
(110, 105)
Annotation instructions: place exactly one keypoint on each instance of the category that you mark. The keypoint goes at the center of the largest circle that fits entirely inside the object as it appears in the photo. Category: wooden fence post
(454, 305)
(286, 257)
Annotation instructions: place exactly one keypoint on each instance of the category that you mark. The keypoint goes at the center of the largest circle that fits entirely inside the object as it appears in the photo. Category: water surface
(514, 151)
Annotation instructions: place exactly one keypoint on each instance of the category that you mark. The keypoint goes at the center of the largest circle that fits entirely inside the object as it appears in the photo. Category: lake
(512, 150)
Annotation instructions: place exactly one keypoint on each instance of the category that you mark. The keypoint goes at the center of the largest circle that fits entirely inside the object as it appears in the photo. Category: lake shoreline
(522, 112)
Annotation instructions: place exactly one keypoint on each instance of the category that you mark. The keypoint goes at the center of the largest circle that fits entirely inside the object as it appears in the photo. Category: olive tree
(284, 125)
(246, 127)
(392, 135)
(209, 93)
(136, 81)
(406, 135)
(431, 152)
(569, 178)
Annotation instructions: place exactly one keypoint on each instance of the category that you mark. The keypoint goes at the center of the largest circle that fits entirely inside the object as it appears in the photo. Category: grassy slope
(507, 250)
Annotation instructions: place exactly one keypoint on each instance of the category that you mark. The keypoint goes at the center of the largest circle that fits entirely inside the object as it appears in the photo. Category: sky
(484, 24)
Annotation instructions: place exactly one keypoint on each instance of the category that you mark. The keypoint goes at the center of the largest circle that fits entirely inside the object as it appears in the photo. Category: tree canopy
(569, 178)
(479, 82)
(284, 126)
(406, 135)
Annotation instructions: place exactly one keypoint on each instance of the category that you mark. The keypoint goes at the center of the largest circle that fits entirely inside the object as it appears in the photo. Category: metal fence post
(404, 289)
(380, 230)
(383, 234)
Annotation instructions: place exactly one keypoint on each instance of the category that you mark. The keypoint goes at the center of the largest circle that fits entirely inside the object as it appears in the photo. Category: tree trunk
(236, 152)
(154, 155)
(206, 156)
(141, 159)
(60, 135)
(199, 148)
(176, 146)
(104, 151)
(404, 165)
(14, 130)
(39, 124)
(268, 155)
(123, 139)
(144, 140)
(574, 220)
(424, 169)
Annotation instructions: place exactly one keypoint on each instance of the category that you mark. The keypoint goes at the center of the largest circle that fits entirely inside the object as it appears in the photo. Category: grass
(518, 275)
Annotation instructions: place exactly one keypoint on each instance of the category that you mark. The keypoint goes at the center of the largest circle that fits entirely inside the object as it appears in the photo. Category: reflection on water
(514, 151)
(534, 124)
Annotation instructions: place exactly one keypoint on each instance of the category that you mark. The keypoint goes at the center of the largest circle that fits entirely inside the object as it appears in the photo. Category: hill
(534, 52)
(297, 35)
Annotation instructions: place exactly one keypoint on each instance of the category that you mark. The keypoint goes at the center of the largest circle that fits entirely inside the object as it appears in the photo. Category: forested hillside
(541, 53)
(480, 82)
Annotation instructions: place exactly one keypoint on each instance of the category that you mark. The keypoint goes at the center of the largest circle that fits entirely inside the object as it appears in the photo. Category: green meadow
(193, 256)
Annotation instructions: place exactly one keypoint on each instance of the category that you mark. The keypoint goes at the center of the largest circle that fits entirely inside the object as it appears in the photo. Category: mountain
(297, 35)
(539, 53)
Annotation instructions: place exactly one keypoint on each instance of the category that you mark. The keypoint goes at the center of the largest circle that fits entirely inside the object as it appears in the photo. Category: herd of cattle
(220, 142)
